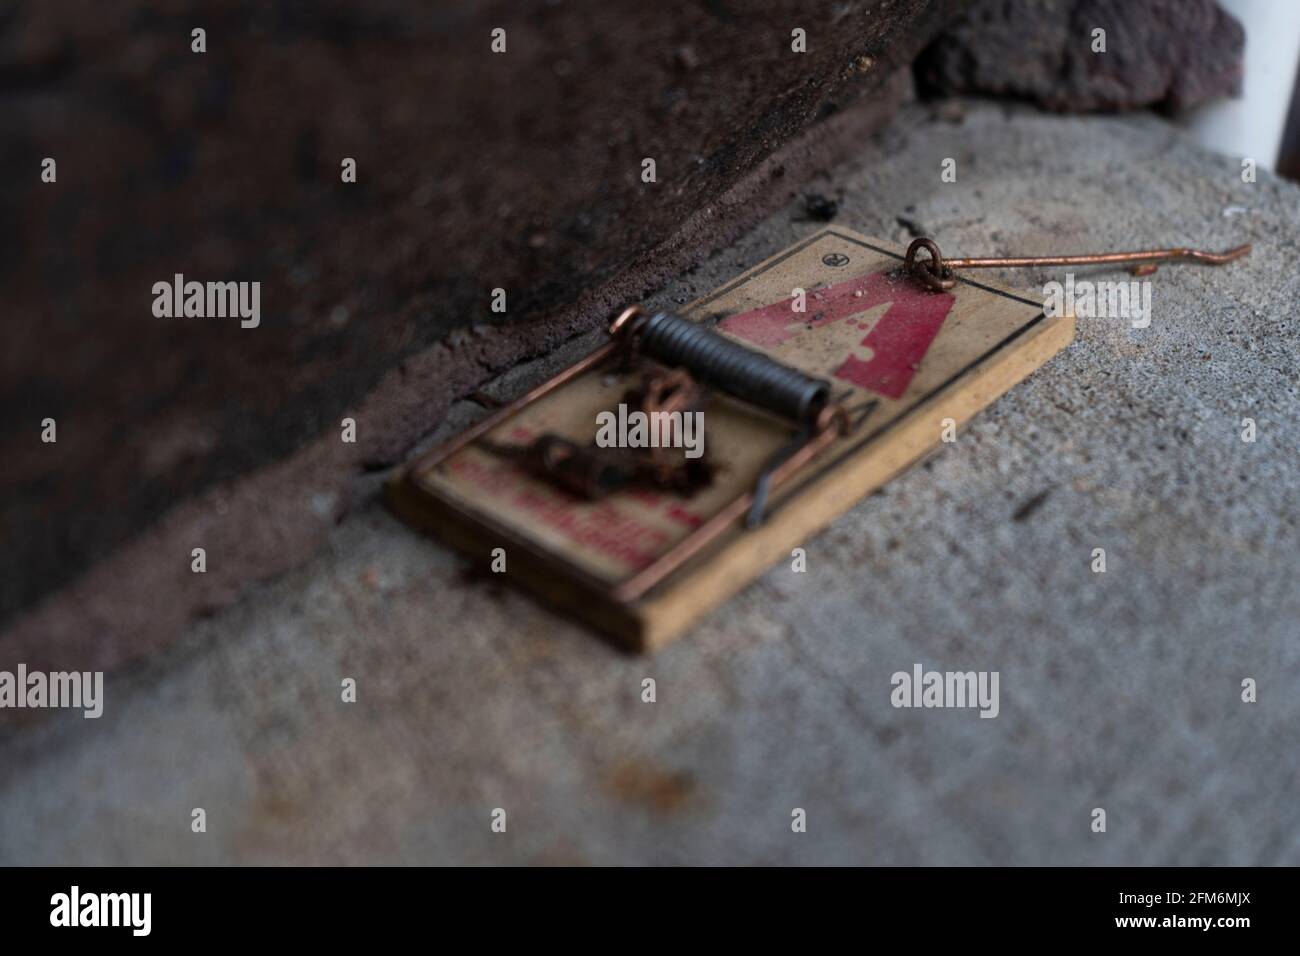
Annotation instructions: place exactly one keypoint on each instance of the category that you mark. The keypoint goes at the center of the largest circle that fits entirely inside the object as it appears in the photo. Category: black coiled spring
(730, 367)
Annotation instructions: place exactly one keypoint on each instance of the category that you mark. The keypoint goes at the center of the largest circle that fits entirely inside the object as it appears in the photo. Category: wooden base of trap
(903, 358)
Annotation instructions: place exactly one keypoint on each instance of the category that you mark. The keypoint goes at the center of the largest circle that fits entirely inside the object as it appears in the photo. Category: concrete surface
(1118, 690)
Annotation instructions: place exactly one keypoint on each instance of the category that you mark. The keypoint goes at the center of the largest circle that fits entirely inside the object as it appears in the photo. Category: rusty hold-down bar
(937, 272)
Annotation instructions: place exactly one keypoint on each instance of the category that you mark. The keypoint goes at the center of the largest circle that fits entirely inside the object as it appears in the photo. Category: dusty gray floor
(1119, 690)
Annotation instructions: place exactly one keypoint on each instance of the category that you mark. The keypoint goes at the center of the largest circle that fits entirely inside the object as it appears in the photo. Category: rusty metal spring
(730, 367)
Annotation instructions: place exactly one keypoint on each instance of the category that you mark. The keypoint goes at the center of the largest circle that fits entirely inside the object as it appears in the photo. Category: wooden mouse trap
(804, 412)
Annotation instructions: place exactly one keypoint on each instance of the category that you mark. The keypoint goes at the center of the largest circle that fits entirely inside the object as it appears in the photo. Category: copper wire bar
(937, 272)
(1102, 258)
